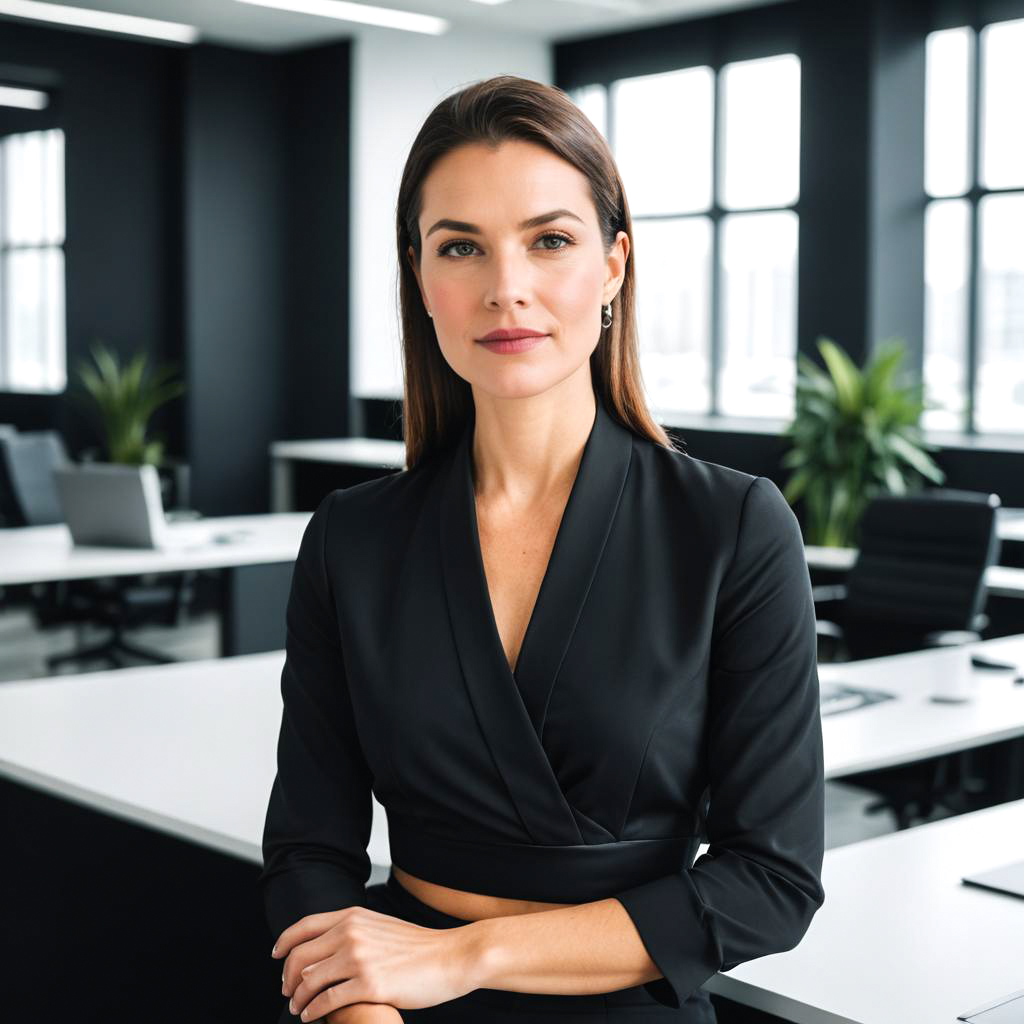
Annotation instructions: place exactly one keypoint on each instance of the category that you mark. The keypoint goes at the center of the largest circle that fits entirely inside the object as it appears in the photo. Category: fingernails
(273, 952)
(291, 1006)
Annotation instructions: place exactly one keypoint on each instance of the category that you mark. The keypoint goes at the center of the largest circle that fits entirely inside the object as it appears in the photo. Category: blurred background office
(198, 286)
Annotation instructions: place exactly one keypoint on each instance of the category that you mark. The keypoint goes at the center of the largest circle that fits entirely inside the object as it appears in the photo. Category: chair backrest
(921, 565)
(29, 460)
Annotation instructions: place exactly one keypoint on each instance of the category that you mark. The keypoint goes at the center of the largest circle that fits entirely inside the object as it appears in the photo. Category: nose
(508, 280)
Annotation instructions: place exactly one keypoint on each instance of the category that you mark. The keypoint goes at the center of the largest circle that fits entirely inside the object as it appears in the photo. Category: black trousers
(494, 1006)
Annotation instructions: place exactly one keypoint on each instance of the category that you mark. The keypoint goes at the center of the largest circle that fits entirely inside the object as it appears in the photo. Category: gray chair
(120, 603)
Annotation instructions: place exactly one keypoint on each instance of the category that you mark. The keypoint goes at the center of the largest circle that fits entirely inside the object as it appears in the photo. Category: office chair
(919, 575)
(118, 603)
(918, 582)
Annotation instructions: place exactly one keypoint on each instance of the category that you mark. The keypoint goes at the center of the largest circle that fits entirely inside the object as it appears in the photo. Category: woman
(561, 652)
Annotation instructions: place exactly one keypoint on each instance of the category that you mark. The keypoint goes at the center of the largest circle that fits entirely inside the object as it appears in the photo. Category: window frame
(716, 213)
(973, 195)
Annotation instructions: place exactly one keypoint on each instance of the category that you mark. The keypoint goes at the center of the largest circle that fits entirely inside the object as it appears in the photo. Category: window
(32, 321)
(710, 164)
(974, 221)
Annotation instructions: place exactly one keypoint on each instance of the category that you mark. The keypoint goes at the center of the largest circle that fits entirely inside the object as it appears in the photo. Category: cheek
(449, 298)
(576, 296)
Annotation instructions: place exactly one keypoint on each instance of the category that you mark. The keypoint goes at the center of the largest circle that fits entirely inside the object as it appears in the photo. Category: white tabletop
(357, 451)
(1010, 524)
(912, 727)
(188, 748)
(899, 939)
(35, 554)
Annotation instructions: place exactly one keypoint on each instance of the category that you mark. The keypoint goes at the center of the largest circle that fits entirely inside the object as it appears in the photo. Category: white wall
(398, 78)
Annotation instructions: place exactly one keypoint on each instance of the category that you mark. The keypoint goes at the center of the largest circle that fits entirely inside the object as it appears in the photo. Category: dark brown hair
(437, 400)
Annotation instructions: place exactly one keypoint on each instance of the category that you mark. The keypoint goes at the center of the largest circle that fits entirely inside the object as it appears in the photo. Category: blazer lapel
(511, 708)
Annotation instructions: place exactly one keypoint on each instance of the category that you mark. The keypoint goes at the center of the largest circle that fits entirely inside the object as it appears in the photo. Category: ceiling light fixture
(342, 10)
(27, 99)
(82, 17)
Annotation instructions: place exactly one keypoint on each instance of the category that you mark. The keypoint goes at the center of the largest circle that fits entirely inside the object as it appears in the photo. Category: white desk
(36, 554)
(188, 749)
(912, 727)
(899, 939)
(1000, 580)
(255, 569)
(349, 451)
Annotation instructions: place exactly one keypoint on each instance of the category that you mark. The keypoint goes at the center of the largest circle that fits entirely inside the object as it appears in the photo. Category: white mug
(955, 680)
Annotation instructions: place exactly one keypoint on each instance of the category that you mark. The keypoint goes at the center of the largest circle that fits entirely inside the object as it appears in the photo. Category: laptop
(112, 505)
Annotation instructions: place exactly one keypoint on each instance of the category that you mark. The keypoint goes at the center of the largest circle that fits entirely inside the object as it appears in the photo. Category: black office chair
(918, 582)
(121, 603)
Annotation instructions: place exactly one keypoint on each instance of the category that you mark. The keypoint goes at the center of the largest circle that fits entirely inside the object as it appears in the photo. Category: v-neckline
(512, 704)
(548, 568)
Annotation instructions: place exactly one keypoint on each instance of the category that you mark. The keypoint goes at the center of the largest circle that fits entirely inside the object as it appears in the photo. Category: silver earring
(606, 320)
(431, 315)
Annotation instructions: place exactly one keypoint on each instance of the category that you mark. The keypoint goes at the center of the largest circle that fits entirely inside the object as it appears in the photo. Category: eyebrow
(531, 222)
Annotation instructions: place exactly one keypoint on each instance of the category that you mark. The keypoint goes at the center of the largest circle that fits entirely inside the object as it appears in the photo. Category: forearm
(364, 1013)
(580, 950)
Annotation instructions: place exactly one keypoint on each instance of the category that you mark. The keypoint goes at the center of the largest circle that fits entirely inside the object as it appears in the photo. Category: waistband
(525, 871)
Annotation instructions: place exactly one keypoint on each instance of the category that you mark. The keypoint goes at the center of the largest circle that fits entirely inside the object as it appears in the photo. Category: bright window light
(761, 132)
(947, 169)
(1002, 85)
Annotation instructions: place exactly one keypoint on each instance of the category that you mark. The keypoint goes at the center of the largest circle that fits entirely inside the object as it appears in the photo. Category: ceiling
(241, 24)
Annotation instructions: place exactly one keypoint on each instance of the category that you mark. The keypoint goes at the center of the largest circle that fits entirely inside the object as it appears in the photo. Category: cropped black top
(666, 694)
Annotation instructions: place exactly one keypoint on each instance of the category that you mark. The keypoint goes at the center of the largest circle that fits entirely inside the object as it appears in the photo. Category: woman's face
(483, 267)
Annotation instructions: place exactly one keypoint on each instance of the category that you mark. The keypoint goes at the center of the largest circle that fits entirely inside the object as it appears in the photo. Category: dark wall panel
(316, 334)
(235, 273)
(117, 102)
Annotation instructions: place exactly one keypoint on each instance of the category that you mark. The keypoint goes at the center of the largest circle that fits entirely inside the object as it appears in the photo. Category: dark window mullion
(974, 272)
(4, 384)
(715, 353)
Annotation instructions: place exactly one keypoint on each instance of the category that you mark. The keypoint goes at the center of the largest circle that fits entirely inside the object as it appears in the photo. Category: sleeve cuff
(670, 918)
(311, 888)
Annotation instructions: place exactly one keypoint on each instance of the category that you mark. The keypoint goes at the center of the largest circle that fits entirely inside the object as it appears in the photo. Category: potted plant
(124, 397)
(855, 434)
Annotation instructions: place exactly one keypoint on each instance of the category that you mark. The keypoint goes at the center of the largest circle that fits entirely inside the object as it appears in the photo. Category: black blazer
(666, 694)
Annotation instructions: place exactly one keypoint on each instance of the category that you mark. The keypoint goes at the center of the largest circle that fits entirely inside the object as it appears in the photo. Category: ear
(615, 270)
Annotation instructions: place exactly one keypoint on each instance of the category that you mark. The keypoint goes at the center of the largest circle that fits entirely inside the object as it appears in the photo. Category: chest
(516, 549)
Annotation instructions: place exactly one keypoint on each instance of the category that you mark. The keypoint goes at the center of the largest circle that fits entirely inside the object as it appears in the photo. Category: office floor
(23, 649)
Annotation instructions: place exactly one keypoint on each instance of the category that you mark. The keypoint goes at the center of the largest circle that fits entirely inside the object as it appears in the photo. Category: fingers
(337, 996)
(306, 928)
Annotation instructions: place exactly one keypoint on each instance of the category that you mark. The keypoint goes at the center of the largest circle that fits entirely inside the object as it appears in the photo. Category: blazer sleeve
(756, 888)
(320, 810)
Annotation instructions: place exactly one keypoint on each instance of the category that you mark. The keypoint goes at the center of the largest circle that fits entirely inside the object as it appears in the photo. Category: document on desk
(834, 697)
(1005, 1010)
(1009, 878)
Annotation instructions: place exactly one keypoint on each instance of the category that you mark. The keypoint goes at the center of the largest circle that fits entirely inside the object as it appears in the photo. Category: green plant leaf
(845, 374)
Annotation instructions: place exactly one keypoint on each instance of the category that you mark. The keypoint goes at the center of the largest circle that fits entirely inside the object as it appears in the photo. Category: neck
(524, 449)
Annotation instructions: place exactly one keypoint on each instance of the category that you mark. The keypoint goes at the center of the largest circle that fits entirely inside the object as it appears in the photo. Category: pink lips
(512, 339)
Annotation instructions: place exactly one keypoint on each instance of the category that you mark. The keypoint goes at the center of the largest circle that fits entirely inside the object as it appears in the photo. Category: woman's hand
(357, 955)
